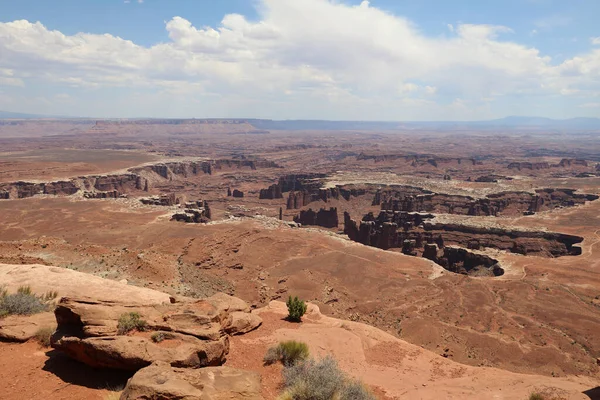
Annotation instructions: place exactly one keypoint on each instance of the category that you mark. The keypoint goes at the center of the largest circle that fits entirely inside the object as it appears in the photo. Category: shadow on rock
(76, 373)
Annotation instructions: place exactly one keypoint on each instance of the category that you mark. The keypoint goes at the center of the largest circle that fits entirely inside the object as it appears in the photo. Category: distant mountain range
(503, 123)
(513, 122)
(12, 115)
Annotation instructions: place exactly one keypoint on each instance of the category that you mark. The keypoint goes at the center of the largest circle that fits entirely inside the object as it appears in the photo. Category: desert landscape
(299, 200)
(437, 262)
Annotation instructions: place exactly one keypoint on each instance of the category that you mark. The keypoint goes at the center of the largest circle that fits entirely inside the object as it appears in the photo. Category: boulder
(197, 331)
(21, 328)
(162, 381)
(241, 322)
(131, 353)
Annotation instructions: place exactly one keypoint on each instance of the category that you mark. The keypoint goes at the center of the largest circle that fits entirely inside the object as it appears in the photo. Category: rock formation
(238, 194)
(166, 200)
(197, 332)
(323, 217)
(194, 212)
(162, 381)
(413, 199)
(272, 192)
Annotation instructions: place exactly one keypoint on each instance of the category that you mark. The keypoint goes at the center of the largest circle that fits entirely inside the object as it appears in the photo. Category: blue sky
(345, 59)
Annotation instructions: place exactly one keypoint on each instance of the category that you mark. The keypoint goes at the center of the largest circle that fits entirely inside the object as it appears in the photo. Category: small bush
(289, 353)
(296, 309)
(321, 380)
(43, 336)
(129, 322)
(536, 396)
(24, 302)
(158, 337)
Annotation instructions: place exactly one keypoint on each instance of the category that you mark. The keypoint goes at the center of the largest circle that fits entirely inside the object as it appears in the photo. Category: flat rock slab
(161, 381)
(21, 328)
(133, 353)
(66, 282)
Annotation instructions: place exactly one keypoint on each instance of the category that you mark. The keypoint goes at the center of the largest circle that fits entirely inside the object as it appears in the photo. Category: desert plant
(43, 336)
(129, 322)
(158, 337)
(289, 353)
(24, 302)
(536, 396)
(296, 309)
(356, 391)
(321, 380)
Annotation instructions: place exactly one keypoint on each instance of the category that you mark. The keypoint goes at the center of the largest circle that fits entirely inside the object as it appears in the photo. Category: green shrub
(129, 322)
(43, 336)
(158, 337)
(296, 309)
(536, 396)
(321, 380)
(289, 353)
(24, 302)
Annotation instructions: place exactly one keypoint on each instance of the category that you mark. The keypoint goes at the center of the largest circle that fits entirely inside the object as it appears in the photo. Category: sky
(387, 60)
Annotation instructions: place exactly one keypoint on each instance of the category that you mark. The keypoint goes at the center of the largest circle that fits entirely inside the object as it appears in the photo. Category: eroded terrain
(479, 247)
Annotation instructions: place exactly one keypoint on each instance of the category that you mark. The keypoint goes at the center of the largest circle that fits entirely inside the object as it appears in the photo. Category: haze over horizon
(313, 59)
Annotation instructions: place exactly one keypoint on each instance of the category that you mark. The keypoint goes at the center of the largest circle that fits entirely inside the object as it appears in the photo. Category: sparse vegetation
(43, 336)
(24, 302)
(296, 309)
(158, 337)
(129, 322)
(536, 396)
(289, 353)
(321, 380)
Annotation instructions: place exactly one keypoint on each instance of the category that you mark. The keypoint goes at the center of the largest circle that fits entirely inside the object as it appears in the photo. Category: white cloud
(311, 55)
(595, 41)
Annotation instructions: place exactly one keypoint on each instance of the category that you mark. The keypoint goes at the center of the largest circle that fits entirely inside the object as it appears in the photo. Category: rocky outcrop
(61, 188)
(162, 381)
(462, 261)
(272, 192)
(323, 217)
(184, 169)
(528, 165)
(411, 199)
(417, 160)
(18, 328)
(572, 162)
(243, 163)
(166, 200)
(237, 194)
(492, 178)
(534, 166)
(113, 194)
(124, 183)
(187, 169)
(195, 212)
(545, 244)
(296, 182)
(391, 229)
(194, 334)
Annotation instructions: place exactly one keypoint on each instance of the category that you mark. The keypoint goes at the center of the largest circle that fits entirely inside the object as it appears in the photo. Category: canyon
(478, 250)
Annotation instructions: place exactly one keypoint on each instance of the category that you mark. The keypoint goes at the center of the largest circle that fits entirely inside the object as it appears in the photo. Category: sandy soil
(28, 371)
(392, 368)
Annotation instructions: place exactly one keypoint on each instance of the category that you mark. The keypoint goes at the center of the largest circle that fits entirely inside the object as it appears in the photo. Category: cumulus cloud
(303, 53)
